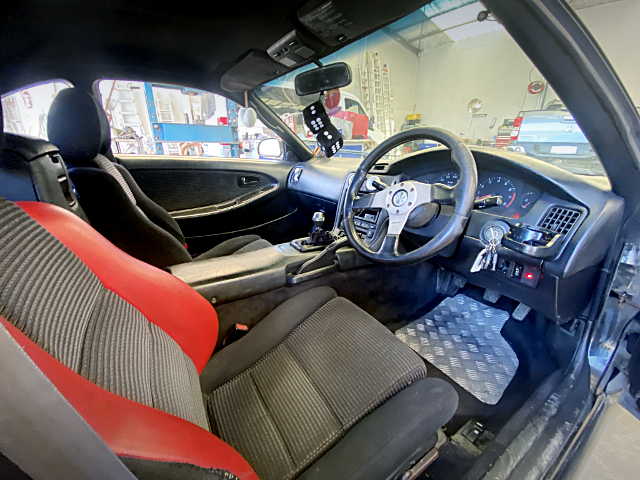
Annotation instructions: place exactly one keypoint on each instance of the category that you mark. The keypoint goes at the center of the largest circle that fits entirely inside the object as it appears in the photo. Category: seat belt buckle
(238, 331)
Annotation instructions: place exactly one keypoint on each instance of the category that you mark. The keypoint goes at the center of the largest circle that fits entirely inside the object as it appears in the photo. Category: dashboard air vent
(380, 167)
(560, 219)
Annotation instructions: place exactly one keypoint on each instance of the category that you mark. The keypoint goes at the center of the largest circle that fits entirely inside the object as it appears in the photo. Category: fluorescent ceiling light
(473, 30)
(462, 16)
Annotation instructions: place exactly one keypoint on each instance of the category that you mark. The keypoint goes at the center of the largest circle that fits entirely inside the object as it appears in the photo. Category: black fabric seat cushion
(236, 245)
(331, 369)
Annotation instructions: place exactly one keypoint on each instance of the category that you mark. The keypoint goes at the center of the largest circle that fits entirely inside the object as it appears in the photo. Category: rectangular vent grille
(380, 167)
(560, 219)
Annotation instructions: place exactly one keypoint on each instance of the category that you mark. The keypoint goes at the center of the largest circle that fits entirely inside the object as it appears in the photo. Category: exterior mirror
(270, 148)
(321, 79)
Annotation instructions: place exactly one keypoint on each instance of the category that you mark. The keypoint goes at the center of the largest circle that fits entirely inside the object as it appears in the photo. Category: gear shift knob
(318, 219)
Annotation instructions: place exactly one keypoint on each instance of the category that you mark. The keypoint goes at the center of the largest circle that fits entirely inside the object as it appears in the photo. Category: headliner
(170, 42)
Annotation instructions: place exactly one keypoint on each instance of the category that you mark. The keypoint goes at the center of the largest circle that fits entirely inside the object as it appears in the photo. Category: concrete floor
(613, 451)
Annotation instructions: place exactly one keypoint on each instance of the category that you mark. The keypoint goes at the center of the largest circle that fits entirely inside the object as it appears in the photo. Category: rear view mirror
(321, 79)
(270, 148)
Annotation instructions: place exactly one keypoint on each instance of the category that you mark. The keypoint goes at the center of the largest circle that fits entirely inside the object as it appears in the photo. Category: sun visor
(250, 72)
(330, 24)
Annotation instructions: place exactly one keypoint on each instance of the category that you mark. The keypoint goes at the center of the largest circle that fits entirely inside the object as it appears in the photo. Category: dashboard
(518, 196)
(582, 214)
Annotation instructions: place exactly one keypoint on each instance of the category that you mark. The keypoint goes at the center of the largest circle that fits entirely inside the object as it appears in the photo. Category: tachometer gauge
(498, 186)
(450, 179)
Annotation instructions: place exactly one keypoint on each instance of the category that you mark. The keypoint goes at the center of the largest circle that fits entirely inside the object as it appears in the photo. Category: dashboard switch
(503, 266)
(530, 276)
(517, 271)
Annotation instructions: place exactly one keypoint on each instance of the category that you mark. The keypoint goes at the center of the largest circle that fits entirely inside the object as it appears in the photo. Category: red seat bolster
(131, 429)
(166, 301)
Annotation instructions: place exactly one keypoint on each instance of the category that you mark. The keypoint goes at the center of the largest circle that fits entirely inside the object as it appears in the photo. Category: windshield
(447, 65)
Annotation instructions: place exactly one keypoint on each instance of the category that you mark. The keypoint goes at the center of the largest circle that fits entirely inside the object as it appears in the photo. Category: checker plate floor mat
(461, 337)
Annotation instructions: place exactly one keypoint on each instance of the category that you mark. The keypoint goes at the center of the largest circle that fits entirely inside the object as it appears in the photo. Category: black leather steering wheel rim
(462, 196)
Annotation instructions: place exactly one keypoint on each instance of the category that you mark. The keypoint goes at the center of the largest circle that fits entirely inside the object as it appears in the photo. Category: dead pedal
(448, 283)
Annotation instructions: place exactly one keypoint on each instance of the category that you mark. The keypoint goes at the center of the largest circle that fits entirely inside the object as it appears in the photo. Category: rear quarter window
(25, 111)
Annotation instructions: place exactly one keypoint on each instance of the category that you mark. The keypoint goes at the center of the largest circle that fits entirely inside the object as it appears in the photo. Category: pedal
(521, 311)
(491, 296)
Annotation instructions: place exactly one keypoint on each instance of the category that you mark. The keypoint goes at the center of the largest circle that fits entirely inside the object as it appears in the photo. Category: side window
(157, 119)
(25, 111)
(353, 106)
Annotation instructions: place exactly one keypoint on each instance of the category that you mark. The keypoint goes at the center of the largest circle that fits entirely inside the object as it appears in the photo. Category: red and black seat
(318, 389)
(109, 195)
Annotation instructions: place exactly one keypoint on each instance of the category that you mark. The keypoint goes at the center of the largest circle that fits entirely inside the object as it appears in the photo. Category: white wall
(615, 28)
(403, 65)
(492, 68)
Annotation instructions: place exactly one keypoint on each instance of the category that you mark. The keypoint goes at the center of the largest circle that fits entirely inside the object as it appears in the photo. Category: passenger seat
(111, 198)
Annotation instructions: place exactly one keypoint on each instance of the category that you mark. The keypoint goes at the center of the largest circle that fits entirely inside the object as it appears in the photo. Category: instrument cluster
(517, 196)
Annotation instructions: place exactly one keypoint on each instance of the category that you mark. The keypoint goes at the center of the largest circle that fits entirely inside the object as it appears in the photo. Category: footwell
(461, 337)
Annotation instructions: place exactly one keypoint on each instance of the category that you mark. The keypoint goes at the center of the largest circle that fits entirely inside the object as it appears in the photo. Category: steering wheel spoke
(389, 245)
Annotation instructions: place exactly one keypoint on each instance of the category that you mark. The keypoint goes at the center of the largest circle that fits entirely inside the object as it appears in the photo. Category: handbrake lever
(323, 259)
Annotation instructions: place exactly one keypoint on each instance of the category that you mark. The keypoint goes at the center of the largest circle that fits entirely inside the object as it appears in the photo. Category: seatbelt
(39, 429)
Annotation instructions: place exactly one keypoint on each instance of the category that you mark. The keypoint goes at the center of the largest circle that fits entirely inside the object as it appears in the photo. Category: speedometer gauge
(498, 186)
(450, 179)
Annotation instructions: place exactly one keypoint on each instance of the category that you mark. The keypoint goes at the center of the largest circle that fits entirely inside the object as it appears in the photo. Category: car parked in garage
(554, 136)
(453, 312)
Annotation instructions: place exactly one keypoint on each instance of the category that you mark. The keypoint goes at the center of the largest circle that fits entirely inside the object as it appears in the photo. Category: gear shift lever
(318, 236)
(318, 220)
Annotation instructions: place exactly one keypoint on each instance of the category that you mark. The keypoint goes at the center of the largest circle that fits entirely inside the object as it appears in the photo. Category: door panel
(183, 189)
(214, 199)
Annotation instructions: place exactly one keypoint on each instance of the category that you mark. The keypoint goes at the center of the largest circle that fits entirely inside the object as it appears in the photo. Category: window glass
(353, 106)
(156, 119)
(25, 111)
(451, 65)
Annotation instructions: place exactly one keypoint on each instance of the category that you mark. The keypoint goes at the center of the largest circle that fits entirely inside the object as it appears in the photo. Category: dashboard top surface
(529, 188)
(500, 171)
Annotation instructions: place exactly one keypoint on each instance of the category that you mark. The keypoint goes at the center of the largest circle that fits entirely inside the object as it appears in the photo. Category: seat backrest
(123, 341)
(78, 126)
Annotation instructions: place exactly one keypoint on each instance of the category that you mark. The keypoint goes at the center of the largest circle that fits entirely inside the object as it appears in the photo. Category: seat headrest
(78, 126)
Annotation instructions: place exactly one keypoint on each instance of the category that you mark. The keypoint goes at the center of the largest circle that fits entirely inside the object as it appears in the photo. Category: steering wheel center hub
(400, 198)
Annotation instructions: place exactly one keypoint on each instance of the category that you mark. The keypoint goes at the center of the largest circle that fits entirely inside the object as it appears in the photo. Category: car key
(480, 260)
(494, 264)
(487, 258)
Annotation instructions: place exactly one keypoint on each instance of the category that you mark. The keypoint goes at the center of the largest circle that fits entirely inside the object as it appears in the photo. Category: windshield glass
(447, 65)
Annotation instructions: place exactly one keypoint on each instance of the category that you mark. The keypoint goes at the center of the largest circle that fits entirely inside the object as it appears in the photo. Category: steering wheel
(401, 199)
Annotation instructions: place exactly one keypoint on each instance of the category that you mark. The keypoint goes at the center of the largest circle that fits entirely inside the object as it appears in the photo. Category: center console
(368, 222)
(224, 279)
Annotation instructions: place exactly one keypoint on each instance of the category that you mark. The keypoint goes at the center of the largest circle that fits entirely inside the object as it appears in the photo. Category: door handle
(248, 181)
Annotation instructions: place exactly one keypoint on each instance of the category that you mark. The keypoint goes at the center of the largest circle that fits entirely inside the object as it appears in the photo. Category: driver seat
(318, 389)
